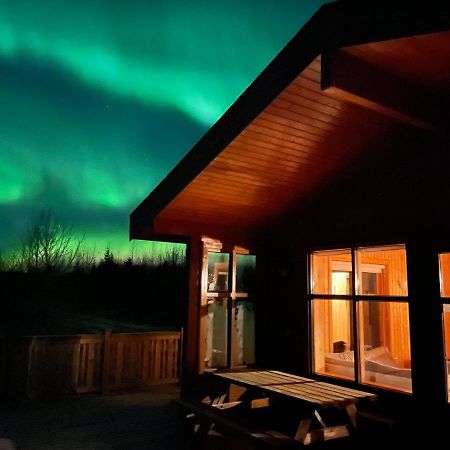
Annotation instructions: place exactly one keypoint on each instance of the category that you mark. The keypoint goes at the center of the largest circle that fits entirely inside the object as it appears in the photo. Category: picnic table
(313, 397)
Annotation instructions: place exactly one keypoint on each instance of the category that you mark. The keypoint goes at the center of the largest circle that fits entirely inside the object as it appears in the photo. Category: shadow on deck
(144, 420)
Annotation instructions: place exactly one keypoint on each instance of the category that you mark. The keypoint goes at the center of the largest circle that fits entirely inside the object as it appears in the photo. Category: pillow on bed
(342, 358)
(381, 355)
(376, 367)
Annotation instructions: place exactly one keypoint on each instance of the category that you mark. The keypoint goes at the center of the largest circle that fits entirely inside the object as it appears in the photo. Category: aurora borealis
(101, 98)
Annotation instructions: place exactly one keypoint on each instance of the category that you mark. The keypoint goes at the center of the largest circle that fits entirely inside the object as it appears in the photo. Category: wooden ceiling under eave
(294, 145)
(297, 144)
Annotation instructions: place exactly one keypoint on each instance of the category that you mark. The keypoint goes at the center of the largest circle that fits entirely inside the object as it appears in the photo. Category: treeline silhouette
(72, 293)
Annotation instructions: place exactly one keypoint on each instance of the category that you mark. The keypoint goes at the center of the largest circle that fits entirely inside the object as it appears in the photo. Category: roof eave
(335, 25)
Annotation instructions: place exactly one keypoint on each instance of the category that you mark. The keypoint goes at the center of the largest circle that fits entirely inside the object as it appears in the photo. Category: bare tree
(84, 259)
(3, 262)
(48, 245)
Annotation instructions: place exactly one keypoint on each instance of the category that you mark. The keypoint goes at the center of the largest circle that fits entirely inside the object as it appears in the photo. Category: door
(228, 296)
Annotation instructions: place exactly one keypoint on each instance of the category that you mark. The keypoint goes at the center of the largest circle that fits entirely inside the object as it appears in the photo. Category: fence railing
(89, 363)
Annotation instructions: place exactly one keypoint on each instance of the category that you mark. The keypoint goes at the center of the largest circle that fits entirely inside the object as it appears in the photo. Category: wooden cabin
(315, 210)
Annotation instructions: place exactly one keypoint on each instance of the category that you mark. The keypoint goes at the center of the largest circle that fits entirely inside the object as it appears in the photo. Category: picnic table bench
(206, 417)
(310, 398)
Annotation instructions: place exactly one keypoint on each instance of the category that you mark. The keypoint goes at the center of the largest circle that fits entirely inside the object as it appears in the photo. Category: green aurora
(101, 98)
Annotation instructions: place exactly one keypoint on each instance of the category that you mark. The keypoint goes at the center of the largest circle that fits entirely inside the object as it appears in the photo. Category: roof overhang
(300, 120)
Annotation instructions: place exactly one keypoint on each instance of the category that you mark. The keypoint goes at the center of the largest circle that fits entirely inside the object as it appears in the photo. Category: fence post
(106, 361)
(74, 382)
(30, 367)
(180, 356)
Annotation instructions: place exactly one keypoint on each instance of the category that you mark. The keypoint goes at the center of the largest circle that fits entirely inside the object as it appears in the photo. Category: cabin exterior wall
(391, 197)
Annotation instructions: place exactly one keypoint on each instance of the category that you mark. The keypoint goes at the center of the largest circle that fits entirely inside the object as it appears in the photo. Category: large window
(230, 317)
(360, 318)
(444, 265)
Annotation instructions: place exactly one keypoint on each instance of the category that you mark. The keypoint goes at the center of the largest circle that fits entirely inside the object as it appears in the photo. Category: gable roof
(286, 135)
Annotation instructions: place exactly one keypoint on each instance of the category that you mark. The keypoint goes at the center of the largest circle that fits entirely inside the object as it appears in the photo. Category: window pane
(216, 338)
(331, 272)
(381, 271)
(218, 266)
(333, 338)
(384, 344)
(447, 344)
(444, 265)
(245, 273)
(244, 333)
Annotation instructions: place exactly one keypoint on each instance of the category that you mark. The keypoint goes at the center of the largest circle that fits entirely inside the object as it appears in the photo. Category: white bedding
(380, 368)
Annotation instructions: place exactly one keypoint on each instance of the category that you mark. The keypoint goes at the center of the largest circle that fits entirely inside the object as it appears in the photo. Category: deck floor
(137, 421)
(145, 420)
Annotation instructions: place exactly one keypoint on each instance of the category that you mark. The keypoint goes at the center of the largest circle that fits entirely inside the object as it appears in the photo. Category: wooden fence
(89, 363)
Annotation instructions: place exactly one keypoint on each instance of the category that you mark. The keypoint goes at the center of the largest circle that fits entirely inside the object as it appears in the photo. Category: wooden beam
(350, 79)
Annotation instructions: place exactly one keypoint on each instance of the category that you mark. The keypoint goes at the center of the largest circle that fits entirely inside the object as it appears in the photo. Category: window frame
(443, 300)
(355, 299)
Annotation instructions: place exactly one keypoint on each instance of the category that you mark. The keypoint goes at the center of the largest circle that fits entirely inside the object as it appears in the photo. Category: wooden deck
(137, 421)
(141, 421)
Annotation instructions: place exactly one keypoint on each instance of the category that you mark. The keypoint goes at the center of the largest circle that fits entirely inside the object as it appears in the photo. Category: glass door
(217, 301)
(230, 312)
(243, 308)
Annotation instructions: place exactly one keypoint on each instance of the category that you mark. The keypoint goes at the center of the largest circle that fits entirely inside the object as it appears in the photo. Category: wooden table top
(317, 393)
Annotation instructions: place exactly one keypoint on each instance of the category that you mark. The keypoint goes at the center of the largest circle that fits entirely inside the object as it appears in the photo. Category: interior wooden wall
(394, 321)
(322, 339)
(444, 260)
(447, 334)
(393, 279)
(333, 315)
(444, 266)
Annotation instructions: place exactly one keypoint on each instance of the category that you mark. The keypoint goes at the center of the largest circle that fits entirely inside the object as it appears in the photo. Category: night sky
(99, 99)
